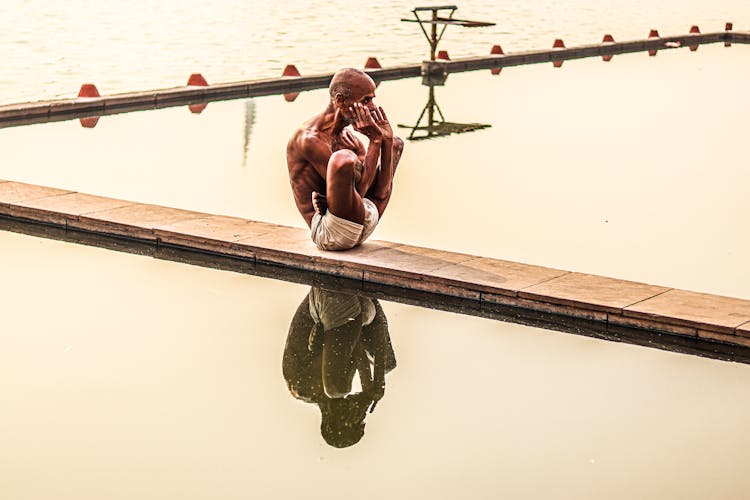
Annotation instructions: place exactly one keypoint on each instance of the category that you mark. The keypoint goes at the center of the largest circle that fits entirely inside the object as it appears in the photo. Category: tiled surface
(59, 209)
(711, 312)
(606, 294)
(13, 192)
(406, 260)
(135, 221)
(496, 276)
(293, 247)
(290, 241)
(213, 227)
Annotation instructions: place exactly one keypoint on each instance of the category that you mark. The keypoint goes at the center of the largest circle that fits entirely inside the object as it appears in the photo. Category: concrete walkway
(484, 280)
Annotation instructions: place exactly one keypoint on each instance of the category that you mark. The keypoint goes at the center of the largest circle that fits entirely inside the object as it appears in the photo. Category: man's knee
(342, 161)
(343, 169)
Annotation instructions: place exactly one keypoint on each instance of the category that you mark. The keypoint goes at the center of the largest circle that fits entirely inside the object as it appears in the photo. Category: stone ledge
(479, 280)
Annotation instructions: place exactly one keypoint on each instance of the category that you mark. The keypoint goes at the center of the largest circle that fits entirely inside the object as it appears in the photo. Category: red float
(290, 70)
(197, 80)
(88, 90)
(372, 63)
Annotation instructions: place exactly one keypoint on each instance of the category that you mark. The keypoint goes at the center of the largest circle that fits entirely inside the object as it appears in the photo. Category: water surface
(145, 378)
(50, 48)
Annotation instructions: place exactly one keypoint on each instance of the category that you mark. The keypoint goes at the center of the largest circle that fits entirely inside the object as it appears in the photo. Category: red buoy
(290, 70)
(608, 39)
(559, 44)
(443, 54)
(291, 96)
(557, 64)
(88, 90)
(497, 51)
(694, 29)
(607, 57)
(653, 34)
(196, 79)
(496, 71)
(372, 63)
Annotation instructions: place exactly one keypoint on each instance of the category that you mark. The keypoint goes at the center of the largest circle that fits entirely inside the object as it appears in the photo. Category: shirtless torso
(329, 167)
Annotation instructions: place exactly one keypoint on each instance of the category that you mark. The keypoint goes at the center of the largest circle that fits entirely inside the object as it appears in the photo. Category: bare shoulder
(304, 140)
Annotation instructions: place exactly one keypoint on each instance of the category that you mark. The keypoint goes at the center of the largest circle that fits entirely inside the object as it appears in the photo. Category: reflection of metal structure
(435, 127)
(433, 38)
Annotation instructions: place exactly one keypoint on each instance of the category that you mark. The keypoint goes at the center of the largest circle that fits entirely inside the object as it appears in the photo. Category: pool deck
(477, 279)
(65, 109)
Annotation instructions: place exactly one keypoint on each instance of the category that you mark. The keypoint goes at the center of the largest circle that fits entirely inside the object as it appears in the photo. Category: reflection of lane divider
(607, 39)
(84, 106)
(611, 303)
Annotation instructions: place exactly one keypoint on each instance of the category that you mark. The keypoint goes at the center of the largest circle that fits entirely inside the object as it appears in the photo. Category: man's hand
(347, 141)
(364, 122)
(382, 121)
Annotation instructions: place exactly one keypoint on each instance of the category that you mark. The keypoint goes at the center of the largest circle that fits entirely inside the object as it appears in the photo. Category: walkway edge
(479, 279)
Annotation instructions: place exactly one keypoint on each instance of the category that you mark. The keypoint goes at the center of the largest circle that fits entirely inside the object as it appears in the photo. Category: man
(340, 188)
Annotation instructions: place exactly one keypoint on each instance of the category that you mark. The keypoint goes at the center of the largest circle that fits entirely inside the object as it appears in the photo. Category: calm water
(127, 377)
(633, 168)
(49, 48)
(123, 376)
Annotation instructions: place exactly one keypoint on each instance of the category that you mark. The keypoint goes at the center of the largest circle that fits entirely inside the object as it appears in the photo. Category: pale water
(49, 48)
(127, 377)
(123, 376)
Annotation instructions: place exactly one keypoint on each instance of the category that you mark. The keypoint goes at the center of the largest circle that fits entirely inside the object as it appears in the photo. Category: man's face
(362, 92)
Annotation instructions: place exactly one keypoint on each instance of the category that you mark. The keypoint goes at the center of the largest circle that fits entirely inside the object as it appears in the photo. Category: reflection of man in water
(340, 188)
(334, 335)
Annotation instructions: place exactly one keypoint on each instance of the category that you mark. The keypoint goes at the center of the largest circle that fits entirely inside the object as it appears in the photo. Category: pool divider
(605, 306)
(65, 109)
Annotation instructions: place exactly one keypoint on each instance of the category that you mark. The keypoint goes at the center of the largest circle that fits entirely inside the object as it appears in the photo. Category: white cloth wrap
(333, 309)
(330, 232)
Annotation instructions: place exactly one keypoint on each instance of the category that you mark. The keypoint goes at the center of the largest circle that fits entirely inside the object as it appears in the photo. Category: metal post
(433, 33)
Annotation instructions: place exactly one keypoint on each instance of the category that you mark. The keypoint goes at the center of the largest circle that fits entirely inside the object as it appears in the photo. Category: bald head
(350, 84)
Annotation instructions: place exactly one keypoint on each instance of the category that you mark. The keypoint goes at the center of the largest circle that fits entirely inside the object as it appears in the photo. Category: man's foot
(320, 204)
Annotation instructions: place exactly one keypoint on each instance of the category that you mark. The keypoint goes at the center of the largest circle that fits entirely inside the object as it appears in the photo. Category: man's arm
(370, 167)
(381, 190)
